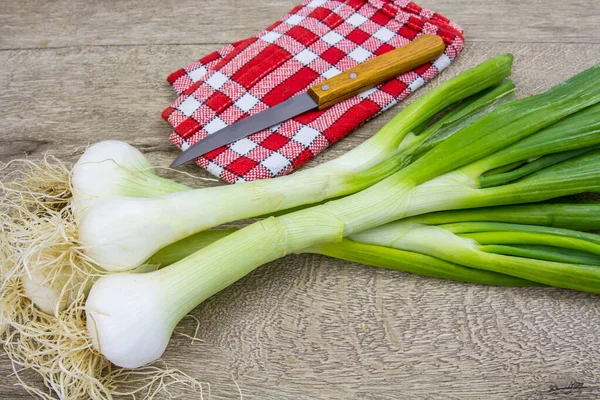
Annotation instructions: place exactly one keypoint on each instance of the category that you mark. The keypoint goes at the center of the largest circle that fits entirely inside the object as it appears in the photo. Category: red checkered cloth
(314, 42)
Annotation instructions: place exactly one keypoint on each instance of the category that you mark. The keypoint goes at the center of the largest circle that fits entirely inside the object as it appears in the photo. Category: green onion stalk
(377, 249)
(549, 255)
(130, 317)
(370, 254)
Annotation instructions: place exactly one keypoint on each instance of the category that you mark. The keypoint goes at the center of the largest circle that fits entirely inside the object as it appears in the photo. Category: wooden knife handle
(377, 70)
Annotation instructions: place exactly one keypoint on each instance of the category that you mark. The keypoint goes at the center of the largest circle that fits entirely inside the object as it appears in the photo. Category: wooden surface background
(308, 327)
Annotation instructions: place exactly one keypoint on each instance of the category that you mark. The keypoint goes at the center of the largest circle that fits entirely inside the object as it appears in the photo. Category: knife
(325, 94)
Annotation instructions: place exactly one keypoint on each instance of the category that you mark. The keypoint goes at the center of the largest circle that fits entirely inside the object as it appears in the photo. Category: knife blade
(325, 94)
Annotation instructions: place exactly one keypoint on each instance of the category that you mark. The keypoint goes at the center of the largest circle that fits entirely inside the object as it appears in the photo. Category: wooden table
(305, 327)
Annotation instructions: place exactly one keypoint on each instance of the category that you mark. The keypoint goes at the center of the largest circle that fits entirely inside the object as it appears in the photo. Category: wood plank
(570, 21)
(307, 327)
(40, 24)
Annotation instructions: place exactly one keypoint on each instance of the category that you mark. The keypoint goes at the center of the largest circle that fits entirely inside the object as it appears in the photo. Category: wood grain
(307, 327)
(62, 23)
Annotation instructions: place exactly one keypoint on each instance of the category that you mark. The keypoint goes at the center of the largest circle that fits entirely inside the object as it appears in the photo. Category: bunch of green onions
(438, 191)
(131, 316)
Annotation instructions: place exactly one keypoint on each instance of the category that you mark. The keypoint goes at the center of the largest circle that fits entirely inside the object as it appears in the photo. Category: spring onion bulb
(115, 169)
(50, 293)
(131, 317)
(120, 233)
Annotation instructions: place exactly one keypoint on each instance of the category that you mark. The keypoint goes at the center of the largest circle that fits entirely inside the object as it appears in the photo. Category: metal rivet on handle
(325, 87)
(353, 75)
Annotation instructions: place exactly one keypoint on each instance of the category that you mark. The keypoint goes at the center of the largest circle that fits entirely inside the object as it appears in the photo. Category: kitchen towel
(315, 41)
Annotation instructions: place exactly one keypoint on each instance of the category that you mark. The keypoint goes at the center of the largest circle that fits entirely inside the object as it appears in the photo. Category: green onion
(547, 253)
(529, 168)
(187, 246)
(566, 139)
(462, 228)
(578, 216)
(131, 316)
